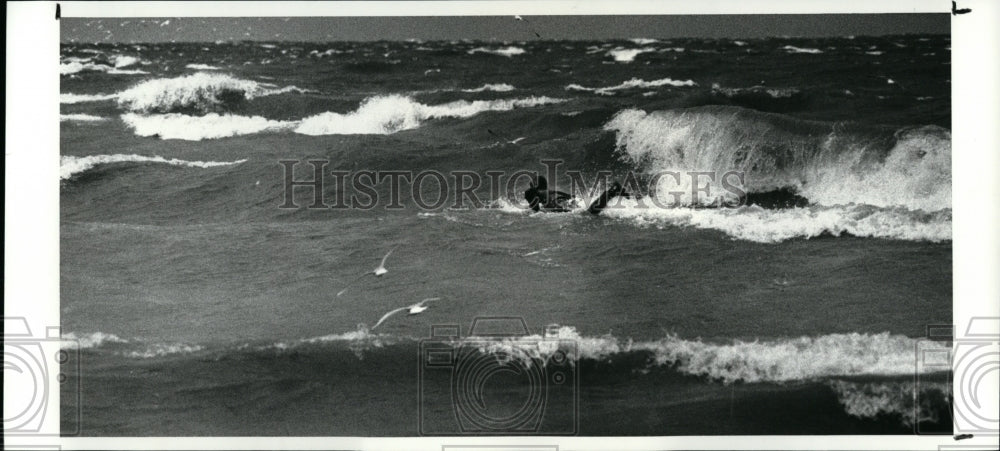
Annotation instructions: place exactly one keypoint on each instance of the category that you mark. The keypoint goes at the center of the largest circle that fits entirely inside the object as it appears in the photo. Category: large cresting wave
(859, 180)
(202, 92)
(828, 163)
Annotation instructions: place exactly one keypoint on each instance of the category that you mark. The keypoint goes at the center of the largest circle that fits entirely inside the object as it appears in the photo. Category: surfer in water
(540, 198)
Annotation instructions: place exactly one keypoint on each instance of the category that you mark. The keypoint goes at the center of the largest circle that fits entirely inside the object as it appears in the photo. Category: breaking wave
(623, 55)
(88, 341)
(75, 67)
(495, 87)
(910, 402)
(505, 51)
(634, 83)
(196, 128)
(776, 360)
(830, 164)
(861, 181)
(794, 49)
(81, 118)
(757, 224)
(71, 98)
(201, 67)
(393, 113)
(70, 166)
(202, 91)
(377, 115)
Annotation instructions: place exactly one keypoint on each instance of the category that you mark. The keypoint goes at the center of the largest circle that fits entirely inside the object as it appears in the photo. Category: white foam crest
(794, 49)
(70, 165)
(393, 113)
(164, 349)
(287, 89)
(506, 206)
(495, 87)
(772, 360)
(197, 128)
(77, 67)
(915, 174)
(508, 51)
(838, 168)
(70, 98)
(873, 399)
(199, 66)
(643, 41)
(124, 60)
(358, 341)
(81, 118)
(623, 55)
(634, 83)
(88, 341)
(77, 59)
(328, 52)
(777, 93)
(202, 91)
(762, 225)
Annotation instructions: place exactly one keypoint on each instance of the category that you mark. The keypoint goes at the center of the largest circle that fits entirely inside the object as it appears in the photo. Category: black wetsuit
(540, 198)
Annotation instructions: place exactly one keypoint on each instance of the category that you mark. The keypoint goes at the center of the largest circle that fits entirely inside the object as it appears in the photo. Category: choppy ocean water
(200, 307)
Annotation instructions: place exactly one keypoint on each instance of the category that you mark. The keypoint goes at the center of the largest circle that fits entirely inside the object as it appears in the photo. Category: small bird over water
(413, 310)
(377, 272)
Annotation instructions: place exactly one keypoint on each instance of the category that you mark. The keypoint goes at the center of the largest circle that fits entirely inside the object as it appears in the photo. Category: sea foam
(623, 55)
(196, 128)
(199, 66)
(634, 83)
(81, 118)
(376, 115)
(74, 67)
(70, 98)
(70, 165)
(393, 113)
(794, 49)
(495, 87)
(908, 401)
(764, 360)
(508, 51)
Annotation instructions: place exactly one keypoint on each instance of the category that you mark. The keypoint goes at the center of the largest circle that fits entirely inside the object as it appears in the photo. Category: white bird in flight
(414, 309)
(377, 272)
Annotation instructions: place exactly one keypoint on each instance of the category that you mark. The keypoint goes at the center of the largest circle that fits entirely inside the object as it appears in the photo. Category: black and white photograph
(548, 225)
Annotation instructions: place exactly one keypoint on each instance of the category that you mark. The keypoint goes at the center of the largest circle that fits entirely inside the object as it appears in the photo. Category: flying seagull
(377, 272)
(414, 309)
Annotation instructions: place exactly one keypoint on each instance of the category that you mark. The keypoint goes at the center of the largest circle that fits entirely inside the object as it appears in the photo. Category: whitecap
(70, 165)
